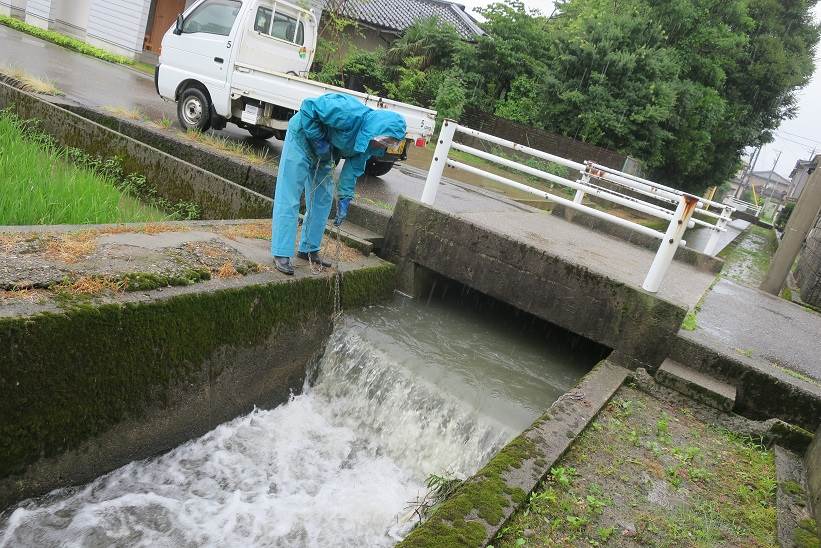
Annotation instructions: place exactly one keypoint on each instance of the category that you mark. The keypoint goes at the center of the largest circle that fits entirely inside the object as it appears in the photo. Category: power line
(797, 135)
(805, 145)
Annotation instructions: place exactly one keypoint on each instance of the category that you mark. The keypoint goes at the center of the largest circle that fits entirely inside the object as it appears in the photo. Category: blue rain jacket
(349, 126)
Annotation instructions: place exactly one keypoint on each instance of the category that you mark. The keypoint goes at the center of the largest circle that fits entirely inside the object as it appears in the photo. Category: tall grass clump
(40, 185)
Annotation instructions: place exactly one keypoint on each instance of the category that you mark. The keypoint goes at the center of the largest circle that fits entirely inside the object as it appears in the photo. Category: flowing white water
(335, 466)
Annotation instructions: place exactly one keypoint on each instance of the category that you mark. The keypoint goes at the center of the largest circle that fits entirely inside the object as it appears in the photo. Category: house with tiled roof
(380, 22)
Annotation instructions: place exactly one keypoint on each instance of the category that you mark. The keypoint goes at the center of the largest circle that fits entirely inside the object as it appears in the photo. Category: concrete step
(697, 385)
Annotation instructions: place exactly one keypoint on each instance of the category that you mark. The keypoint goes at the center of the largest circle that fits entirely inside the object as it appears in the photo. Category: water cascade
(402, 391)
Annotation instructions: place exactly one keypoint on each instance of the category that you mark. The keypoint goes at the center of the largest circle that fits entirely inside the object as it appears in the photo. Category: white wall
(13, 8)
(71, 17)
(38, 13)
(118, 25)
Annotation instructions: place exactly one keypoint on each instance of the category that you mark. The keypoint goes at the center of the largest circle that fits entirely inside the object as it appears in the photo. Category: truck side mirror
(178, 25)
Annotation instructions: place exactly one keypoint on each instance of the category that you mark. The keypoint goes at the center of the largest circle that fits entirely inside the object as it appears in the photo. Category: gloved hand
(322, 149)
(341, 210)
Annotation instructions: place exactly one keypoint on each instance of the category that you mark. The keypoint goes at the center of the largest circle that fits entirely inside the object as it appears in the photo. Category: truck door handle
(218, 60)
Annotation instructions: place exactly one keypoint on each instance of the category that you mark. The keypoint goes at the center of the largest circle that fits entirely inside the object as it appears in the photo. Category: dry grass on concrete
(127, 113)
(92, 285)
(227, 270)
(232, 148)
(71, 247)
(29, 83)
(9, 241)
(253, 231)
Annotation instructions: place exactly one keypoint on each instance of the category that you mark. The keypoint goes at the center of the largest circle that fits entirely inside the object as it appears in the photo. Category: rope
(317, 268)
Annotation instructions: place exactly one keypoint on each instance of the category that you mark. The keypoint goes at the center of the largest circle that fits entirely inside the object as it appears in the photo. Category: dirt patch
(650, 473)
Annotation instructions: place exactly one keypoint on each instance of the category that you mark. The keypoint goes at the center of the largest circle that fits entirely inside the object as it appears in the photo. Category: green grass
(41, 187)
(72, 44)
(649, 473)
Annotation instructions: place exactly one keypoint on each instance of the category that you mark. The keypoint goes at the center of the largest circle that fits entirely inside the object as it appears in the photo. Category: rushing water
(402, 391)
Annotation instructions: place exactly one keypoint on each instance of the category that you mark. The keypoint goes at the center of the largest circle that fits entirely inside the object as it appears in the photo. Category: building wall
(13, 8)
(118, 25)
(70, 18)
(38, 13)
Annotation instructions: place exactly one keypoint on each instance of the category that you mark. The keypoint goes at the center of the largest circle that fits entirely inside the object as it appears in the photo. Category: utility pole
(801, 222)
(746, 177)
(767, 184)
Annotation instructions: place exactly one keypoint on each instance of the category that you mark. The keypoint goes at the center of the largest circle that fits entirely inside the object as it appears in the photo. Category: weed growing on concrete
(690, 323)
(233, 148)
(163, 123)
(29, 83)
(703, 486)
(127, 113)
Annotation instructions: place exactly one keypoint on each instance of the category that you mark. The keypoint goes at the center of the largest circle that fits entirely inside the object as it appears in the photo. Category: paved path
(763, 327)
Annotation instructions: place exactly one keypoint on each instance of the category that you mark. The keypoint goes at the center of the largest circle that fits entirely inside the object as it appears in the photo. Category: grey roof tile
(398, 15)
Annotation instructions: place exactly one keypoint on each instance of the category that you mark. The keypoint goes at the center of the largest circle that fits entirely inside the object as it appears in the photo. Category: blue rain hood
(377, 123)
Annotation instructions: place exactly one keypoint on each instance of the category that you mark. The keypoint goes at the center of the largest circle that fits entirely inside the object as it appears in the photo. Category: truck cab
(247, 62)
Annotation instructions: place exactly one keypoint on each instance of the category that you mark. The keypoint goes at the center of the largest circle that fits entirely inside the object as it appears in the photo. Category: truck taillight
(420, 142)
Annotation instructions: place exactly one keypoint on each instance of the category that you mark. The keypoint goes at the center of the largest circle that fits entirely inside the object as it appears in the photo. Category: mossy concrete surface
(174, 179)
(478, 509)
(92, 381)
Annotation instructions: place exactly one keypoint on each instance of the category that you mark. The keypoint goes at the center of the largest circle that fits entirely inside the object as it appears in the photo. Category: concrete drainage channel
(200, 383)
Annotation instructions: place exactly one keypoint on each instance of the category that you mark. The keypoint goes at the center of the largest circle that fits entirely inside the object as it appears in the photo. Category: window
(213, 17)
(263, 21)
(280, 26)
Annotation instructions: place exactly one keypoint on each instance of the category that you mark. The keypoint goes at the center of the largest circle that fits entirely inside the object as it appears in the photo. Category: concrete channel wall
(812, 462)
(638, 325)
(175, 179)
(88, 388)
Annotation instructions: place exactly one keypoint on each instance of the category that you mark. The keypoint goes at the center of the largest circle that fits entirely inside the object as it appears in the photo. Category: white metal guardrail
(590, 173)
(744, 206)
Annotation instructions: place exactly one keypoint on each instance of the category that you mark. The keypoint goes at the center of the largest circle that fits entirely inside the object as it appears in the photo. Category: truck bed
(289, 91)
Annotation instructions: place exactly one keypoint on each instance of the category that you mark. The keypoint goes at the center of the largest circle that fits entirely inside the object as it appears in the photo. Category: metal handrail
(671, 239)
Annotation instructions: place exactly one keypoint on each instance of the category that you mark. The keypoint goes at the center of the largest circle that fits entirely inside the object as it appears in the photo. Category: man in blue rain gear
(331, 127)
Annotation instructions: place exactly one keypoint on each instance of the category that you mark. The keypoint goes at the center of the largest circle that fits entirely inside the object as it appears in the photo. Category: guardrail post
(712, 243)
(437, 165)
(585, 179)
(669, 245)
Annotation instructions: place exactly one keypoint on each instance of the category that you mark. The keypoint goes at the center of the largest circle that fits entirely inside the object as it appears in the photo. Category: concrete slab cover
(763, 326)
(606, 255)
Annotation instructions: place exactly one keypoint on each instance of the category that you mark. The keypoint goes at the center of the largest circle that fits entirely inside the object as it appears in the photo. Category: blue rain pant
(300, 172)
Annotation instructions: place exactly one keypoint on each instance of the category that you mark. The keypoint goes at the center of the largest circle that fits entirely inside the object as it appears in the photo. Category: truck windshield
(212, 17)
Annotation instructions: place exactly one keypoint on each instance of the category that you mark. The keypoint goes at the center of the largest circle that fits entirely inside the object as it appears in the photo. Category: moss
(69, 376)
(485, 496)
(145, 281)
(806, 535)
(792, 487)
(368, 286)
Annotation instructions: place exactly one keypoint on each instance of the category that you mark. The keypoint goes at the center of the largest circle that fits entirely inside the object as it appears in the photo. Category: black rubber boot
(283, 264)
(314, 258)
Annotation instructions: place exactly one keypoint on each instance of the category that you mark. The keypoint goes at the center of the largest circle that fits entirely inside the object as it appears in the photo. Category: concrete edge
(683, 254)
(173, 178)
(812, 463)
(794, 522)
(481, 506)
(762, 391)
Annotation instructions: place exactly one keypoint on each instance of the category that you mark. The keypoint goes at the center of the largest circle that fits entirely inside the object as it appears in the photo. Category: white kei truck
(246, 62)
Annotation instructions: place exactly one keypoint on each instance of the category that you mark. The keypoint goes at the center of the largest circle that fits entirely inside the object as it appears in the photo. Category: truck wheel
(375, 168)
(194, 110)
(261, 132)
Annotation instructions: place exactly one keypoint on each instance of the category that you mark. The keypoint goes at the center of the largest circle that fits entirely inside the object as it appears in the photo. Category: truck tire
(194, 110)
(375, 168)
(261, 132)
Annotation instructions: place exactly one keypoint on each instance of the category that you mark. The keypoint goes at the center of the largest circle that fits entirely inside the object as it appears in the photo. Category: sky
(795, 138)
